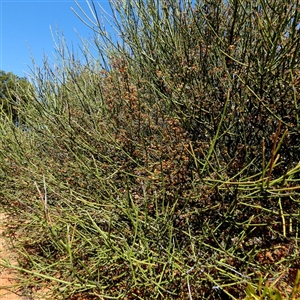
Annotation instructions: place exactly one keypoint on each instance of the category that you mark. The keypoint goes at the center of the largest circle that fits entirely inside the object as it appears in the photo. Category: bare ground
(8, 282)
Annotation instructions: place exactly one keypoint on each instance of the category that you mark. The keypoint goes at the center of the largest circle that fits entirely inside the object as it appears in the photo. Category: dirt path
(6, 275)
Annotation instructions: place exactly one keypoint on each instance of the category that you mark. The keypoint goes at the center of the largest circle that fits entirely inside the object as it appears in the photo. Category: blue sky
(25, 30)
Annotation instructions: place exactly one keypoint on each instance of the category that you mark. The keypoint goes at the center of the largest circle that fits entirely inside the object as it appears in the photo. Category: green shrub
(169, 168)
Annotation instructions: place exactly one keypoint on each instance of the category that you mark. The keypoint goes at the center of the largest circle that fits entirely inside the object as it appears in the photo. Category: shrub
(168, 169)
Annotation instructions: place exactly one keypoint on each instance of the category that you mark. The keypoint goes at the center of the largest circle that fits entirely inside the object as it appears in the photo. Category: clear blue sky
(25, 30)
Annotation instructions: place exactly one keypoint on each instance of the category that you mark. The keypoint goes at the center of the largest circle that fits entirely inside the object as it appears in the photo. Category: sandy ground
(6, 275)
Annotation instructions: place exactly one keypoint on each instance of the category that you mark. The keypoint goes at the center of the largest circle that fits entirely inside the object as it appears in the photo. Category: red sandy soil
(7, 282)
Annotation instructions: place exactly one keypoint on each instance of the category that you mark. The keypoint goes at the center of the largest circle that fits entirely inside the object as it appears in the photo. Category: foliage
(169, 168)
(269, 292)
(13, 91)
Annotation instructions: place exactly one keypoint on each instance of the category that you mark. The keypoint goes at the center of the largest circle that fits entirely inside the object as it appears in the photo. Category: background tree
(13, 91)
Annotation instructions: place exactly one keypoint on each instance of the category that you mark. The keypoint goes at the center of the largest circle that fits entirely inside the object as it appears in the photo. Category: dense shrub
(170, 168)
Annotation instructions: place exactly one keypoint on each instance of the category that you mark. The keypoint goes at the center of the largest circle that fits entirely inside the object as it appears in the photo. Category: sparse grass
(171, 169)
